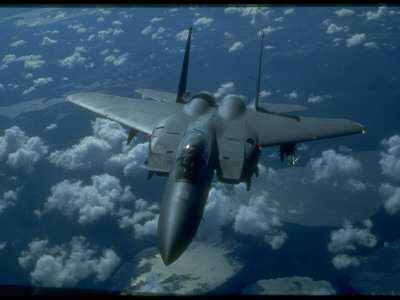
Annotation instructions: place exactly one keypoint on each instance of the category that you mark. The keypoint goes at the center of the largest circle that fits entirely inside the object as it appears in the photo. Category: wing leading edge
(138, 114)
(274, 130)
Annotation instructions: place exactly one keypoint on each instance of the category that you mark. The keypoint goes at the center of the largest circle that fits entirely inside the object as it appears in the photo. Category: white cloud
(156, 35)
(36, 83)
(355, 185)
(92, 151)
(104, 197)
(60, 15)
(75, 59)
(18, 43)
(143, 220)
(130, 160)
(9, 199)
(146, 30)
(235, 47)
(248, 11)
(349, 237)
(370, 15)
(8, 59)
(117, 23)
(391, 197)
(317, 98)
(79, 28)
(156, 20)
(248, 213)
(51, 127)
(183, 35)
(20, 150)
(29, 90)
(116, 61)
(30, 153)
(203, 22)
(332, 163)
(218, 212)
(343, 261)
(390, 160)
(47, 41)
(270, 29)
(356, 39)
(371, 45)
(332, 28)
(100, 19)
(13, 139)
(292, 95)
(90, 202)
(106, 148)
(30, 61)
(261, 216)
(225, 89)
(12, 85)
(288, 11)
(344, 149)
(66, 265)
(264, 94)
(344, 12)
(104, 33)
(42, 81)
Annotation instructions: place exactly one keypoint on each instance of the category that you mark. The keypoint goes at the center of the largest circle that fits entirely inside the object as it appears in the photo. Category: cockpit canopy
(193, 156)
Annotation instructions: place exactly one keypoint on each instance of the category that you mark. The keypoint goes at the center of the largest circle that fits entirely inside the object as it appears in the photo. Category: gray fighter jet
(193, 137)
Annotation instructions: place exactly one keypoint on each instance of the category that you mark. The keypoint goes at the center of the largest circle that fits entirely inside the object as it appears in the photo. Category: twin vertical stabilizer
(182, 82)
(256, 107)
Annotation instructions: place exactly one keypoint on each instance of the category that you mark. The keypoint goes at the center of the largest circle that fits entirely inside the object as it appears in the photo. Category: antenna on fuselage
(182, 81)
(259, 74)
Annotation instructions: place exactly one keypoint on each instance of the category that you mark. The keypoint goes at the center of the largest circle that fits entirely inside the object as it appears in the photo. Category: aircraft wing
(274, 130)
(138, 114)
(157, 95)
(280, 108)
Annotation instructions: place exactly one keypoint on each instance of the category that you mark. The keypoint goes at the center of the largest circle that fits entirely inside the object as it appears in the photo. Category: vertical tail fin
(184, 72)
(259, 75)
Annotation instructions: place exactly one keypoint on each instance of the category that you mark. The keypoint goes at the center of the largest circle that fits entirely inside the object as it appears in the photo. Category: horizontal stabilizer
(160, 96)
(280, 108)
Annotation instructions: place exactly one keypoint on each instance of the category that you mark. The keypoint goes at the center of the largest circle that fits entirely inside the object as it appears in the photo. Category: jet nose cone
(169, 254)
(172, 241)
(180, 215)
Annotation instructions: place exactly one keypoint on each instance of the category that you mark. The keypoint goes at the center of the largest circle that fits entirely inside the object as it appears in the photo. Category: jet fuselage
(204, 145)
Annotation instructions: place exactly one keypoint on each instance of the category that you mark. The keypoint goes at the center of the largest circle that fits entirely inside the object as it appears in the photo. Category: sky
(77, 210)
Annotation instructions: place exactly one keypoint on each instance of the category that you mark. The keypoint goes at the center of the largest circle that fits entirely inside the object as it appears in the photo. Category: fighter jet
(191, 138)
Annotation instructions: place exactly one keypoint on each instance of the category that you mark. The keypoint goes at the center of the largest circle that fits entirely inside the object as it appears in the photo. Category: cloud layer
(254, 214)
(105, 197)
(21, 151)
(332, 163)
(66, 264)
(349, 238)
